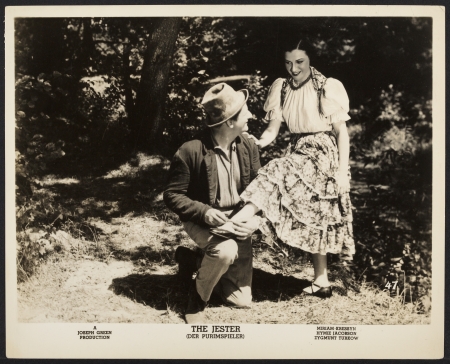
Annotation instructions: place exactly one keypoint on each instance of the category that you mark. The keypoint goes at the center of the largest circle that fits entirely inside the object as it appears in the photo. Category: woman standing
(304, 195)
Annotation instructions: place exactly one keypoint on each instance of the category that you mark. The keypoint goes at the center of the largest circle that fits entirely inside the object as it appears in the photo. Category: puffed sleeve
(273, 102)
(334, 101)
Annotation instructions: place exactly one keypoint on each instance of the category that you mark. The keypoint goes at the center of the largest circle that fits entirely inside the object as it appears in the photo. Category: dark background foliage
(77, 82)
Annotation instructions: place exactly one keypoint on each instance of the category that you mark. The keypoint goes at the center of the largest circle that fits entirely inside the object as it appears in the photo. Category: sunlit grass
(141, 163)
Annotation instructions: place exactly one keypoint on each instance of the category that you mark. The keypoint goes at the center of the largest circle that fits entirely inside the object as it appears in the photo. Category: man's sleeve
(175, 194)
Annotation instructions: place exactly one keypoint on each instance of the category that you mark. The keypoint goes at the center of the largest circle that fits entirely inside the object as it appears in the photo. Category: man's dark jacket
(192, 183)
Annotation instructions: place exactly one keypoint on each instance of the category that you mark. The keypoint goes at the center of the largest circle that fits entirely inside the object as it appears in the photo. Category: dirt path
(123, 270)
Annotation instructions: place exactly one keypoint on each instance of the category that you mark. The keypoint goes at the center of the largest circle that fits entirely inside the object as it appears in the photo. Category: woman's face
(297, 64)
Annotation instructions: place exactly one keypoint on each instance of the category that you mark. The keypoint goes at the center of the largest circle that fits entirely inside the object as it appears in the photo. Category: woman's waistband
(313, 133)
(302, 135)
(296, 137)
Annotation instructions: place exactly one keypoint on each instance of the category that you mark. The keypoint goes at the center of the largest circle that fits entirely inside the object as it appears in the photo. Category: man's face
(241, 122)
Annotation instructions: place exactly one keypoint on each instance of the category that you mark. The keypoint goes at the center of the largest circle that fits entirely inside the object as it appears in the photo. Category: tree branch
(229, 78)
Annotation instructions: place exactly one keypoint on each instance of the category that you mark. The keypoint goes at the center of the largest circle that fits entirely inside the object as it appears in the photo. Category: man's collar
(217, 146)
(206, 137)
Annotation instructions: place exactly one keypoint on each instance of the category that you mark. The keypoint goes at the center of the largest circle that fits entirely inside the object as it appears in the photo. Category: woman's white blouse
(300, 109)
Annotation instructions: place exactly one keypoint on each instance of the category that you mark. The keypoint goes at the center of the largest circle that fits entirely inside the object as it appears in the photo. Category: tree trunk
(147, 122)
(129, 101)
(87, 50)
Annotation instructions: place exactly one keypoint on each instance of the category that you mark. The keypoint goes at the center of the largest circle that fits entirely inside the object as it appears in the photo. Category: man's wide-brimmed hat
(222, 102)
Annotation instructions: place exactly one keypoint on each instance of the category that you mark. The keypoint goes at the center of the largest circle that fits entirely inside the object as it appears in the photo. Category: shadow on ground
(162, 256)
(163, 291)
(107, 198)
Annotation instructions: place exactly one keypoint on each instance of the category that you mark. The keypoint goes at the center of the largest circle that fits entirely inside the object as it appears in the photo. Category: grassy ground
(121, 267)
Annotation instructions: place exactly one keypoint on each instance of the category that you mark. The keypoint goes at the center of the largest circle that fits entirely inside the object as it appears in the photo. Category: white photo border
(169, 341)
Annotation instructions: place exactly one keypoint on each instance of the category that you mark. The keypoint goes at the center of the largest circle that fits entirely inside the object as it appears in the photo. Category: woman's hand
(250, 136)
(343, 182)
(343, 143)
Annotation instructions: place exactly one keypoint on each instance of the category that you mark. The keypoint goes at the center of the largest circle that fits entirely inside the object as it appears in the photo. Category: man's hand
(245, 229)
(215, 217)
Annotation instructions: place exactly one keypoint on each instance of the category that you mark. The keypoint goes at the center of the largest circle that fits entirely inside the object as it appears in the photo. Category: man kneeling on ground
(206, 177)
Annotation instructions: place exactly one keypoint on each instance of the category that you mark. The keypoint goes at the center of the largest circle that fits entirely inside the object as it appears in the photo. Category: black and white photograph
(226, 178)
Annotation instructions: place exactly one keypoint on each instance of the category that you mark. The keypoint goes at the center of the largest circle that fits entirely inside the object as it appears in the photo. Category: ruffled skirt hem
(298, 197)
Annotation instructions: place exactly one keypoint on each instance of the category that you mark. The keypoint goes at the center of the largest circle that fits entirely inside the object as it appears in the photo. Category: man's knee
(225, 252)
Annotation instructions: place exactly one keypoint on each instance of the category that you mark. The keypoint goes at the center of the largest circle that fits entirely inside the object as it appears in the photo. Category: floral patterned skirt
(299, 198)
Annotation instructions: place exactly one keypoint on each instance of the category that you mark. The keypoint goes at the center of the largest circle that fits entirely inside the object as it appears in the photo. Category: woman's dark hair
(303, 44)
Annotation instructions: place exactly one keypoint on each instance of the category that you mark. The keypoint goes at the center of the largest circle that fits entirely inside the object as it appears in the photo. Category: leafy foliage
(395, 235)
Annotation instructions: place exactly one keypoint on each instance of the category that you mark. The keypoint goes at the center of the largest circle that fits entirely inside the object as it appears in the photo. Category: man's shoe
(195, 310)
(187, 262)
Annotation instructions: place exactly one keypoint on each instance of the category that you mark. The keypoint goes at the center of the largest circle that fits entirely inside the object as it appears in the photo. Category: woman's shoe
(322, 292)
(225, 231)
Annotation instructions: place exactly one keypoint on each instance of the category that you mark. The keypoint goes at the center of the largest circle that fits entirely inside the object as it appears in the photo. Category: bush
(32, 248)
(394, 232)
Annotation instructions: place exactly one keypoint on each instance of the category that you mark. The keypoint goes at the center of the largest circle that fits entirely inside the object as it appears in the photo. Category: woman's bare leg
(320, 271)
(246, 213)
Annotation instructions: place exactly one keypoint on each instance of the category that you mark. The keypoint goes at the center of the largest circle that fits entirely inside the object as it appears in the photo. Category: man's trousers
(226, 267)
